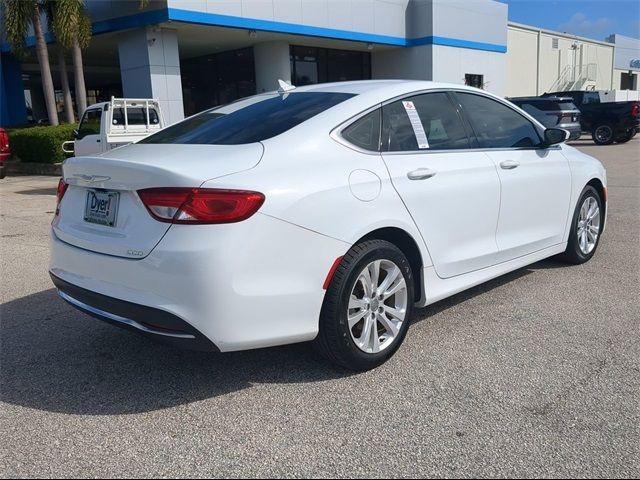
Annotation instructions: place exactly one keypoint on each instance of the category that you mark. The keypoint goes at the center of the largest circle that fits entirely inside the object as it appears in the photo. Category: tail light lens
(635, 109)
(200, 205)
(60, 191)
(4, 141)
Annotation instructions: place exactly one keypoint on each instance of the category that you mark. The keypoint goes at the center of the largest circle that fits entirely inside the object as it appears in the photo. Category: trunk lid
(104, 189)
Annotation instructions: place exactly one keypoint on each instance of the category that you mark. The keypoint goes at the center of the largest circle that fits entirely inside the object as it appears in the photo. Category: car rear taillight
(635, 109)
(200, 205)
(60, 191)
(4, 141)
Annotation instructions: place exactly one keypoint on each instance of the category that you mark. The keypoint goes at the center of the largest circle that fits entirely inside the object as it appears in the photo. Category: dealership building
(194, 54)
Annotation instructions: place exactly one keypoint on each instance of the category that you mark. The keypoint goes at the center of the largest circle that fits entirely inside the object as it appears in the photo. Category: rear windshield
(247, 121)
(135, 116)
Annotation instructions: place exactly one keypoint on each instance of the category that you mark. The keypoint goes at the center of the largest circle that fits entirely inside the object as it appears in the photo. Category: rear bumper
(148, 321)
(253, 284)
(575, 131)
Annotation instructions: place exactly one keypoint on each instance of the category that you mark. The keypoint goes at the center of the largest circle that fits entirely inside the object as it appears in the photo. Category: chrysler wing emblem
(93, 178)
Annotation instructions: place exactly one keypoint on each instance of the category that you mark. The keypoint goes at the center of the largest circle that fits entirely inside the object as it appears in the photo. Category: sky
(595, 19)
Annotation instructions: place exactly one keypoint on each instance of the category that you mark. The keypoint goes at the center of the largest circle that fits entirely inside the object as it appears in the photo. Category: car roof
(359, 87)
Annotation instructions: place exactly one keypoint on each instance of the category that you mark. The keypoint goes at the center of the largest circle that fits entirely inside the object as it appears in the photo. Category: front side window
(90, 123)
(496, 125)
(365, 132)
(251, 120)
(428, 121)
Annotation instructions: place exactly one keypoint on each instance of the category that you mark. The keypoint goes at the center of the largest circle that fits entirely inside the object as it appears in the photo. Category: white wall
(150, 68)
(381, 17)
(534, 66)
(413, 63)
(271, 63)
(450, 65)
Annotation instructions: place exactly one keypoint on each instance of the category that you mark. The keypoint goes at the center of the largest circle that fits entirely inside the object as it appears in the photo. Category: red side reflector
(200, 205)
(333, 269)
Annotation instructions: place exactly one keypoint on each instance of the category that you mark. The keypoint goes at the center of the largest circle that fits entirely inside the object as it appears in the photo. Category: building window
(627, 81)
(474, 80)
(217, 79)
(310, 65)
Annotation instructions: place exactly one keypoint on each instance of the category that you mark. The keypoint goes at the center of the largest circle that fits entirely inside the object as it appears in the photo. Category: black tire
(626, 136)
(603, 134)
(3, 171)
(573, 254)
(334, 340)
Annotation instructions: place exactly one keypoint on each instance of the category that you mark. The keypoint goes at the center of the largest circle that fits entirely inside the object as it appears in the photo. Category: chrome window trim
(336, 133)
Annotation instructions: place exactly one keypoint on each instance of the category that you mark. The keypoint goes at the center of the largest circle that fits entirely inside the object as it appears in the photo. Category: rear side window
(248, 121)
(135, 116)
(365, 132)
(90, 124)
(427, 121)
(566, 106)
(590, 97)
(496, 125)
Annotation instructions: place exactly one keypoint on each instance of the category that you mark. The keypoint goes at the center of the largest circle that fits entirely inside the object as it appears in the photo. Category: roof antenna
(285, 88)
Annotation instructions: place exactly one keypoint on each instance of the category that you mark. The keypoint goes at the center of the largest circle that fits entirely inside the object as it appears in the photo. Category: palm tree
(72, 27)
(19, 14)
(66, 91)
(62, 65)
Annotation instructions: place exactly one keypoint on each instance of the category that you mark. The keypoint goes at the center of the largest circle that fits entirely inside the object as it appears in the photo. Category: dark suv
(552, 112)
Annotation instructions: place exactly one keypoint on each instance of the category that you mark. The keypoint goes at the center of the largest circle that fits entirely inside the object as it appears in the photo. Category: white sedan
(324, 213)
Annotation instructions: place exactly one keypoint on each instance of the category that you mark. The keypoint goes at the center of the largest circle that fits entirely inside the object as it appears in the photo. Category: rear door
(89, 138)
(536, 182)
(452, 192)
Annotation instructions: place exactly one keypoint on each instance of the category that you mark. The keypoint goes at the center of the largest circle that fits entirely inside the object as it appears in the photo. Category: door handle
(509, 164)
(421, 174)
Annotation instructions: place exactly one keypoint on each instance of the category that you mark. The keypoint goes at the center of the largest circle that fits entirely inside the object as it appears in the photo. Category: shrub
(40, 144)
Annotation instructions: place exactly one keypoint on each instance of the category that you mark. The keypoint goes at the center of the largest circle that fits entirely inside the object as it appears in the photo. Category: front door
(89, 139)
(453, 195)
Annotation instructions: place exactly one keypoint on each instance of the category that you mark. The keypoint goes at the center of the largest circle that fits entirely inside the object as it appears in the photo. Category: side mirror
(553, 136)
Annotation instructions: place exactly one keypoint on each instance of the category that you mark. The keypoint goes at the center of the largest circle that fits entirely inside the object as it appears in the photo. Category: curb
(19, 168)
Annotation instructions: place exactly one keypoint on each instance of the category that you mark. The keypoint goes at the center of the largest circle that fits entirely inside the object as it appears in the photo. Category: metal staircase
(581, 77)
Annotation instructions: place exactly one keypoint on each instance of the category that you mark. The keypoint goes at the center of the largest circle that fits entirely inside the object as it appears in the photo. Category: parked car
(322, 213)
(607, 122)
(558, 112)
(5, 151)
(108, 125)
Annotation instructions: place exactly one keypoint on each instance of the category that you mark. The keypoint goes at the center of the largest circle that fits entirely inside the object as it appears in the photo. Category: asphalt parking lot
(533, 374)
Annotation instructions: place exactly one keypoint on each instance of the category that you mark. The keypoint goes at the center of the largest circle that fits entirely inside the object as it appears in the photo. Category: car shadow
(449, 302)
(38, 191)
(54, 358)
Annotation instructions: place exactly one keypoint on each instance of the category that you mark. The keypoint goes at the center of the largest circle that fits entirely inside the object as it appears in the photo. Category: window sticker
(416, 123)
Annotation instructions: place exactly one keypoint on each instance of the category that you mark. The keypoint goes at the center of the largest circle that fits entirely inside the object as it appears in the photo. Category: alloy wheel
(377, 306)
(588, 225)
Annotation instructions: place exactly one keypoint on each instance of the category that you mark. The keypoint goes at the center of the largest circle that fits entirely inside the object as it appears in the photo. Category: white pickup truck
(108, 125)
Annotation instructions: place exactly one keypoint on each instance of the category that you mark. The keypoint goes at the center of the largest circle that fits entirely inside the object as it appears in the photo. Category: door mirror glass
(553, 136)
